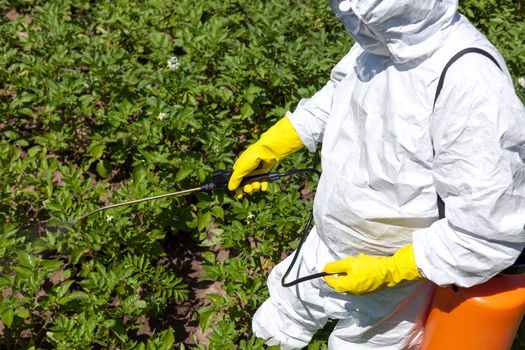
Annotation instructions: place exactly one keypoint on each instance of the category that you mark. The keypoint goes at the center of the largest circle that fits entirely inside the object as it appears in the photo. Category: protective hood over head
(400, 29)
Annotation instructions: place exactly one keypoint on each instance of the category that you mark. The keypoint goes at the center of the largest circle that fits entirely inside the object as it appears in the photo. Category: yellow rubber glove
(366, 274)
(275, 144)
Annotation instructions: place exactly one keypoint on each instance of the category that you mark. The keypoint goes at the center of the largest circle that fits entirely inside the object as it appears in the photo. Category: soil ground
(184, 256)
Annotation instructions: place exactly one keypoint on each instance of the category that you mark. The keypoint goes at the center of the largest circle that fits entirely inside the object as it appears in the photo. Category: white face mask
(343, 10)
(356, 27)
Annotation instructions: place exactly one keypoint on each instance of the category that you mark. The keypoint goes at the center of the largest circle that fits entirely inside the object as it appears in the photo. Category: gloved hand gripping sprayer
(219, 180)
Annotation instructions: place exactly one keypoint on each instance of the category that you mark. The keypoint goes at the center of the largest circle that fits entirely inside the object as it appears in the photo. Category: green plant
(107, 101)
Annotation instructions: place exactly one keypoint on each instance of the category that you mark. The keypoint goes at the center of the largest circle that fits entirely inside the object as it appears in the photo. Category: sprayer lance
(173, 194)
(220, 179)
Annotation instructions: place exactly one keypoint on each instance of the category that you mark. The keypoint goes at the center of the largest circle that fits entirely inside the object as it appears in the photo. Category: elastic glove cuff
(404, 266)
(281, 139)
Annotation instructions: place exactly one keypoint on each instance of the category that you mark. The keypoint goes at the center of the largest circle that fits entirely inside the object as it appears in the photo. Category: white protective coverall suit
(377, 193)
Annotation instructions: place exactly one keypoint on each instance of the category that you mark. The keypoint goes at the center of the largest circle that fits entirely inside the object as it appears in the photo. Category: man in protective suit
(389, 149)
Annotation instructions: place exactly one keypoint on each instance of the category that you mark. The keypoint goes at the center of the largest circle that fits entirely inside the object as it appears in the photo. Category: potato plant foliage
(108, 101)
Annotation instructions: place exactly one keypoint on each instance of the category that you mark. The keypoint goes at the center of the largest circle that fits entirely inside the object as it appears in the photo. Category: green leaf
(22, 143)
(139, 173)
(205, 317)
(104, 168)
(23, 271)
(247, 111)
(252, 92)
(203, 220)
(53, 205)
(209, 257)
(7, 317)
(183, 173)
(95, 150)
(51, 265)
(120, 331)
(63, 288)
(215, 299)
(22, 313)
(26, 260)
(10, 134)
(168, 339)
(76, 255)
(76, 295)
(141, 304)
(218, 211)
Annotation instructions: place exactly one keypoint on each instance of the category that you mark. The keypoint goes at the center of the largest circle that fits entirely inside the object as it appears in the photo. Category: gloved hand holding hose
(276, 143)
(367, 274)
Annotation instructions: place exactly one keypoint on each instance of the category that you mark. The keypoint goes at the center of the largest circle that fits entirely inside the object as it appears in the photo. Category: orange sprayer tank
(483, 317)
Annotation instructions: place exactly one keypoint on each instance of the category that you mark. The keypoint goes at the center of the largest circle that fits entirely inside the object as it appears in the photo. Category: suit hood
(402, 29)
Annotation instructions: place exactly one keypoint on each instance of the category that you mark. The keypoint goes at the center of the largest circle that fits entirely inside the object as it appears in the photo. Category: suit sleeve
(311, 114)
(479, 171)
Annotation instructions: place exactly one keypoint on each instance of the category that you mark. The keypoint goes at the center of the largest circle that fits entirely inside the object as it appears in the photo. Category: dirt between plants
(184, 257)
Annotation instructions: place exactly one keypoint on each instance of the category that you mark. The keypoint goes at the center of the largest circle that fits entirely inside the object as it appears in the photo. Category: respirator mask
(343, 10)
(357, 28)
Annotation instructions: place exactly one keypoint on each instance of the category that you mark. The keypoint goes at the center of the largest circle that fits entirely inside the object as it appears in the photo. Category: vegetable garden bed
(107, 101)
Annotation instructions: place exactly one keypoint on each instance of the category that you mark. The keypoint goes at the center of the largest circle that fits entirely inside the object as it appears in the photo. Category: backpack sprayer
(219, 180)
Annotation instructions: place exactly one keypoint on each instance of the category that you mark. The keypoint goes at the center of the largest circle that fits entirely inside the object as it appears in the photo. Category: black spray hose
(296, 255)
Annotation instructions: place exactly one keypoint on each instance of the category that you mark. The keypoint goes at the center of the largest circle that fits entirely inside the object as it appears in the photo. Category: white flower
(173, 63)
(521, 82)
(109, 218)
(249, 217)
(162, 115)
